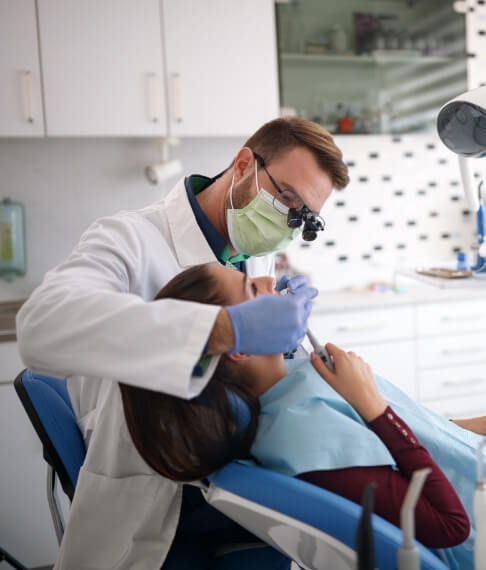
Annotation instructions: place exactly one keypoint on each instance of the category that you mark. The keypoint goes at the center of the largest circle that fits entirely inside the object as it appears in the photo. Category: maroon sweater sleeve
(440, 518)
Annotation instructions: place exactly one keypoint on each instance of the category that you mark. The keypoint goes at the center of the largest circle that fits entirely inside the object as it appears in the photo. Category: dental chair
(311, 526)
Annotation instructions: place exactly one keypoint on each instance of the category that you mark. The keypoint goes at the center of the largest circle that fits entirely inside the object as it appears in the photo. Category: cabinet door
(102, 67)
(394, 361)
(20, 86)
(351, 328)
(10, 362)
(222, 66)
(25, 522)
(459, 407)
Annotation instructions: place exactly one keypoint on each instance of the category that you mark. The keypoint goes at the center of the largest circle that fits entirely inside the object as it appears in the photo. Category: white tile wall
(65, 184)
(403, 206)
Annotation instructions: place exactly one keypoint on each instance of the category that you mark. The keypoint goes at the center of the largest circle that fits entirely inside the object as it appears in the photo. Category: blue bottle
(462, 261)
(12, 240)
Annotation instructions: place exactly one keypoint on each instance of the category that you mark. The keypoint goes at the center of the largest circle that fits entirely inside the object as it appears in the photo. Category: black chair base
(5, 556)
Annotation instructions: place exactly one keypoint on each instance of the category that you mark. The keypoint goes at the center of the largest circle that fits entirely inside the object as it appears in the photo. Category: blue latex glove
(271, 324)
(291, 284)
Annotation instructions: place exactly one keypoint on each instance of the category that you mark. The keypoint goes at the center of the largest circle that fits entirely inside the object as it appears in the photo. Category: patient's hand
(477, 425)
(353, 380)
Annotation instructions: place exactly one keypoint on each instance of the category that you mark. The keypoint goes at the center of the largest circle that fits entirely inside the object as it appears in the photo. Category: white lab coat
(90, 321)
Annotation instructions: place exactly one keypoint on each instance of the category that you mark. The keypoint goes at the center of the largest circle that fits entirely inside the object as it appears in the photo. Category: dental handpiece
(321, 351)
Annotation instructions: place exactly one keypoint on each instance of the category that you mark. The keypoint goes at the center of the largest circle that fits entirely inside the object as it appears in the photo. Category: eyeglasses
(286, 197)
(297, 212)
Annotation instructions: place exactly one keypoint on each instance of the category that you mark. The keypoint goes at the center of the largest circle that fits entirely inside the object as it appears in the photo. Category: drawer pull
(462, 318)
(154, 100)
(29, 115)
(471, 382)
(360, 328)
(177, 97)
(471, 350)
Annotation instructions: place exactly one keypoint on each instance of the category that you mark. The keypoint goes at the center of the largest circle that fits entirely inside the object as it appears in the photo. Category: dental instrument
(321, 351)
(365, 546)
(408, 554)
(479, 510)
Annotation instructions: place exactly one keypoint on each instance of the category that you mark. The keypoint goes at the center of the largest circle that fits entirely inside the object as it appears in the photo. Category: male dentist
(91, 322)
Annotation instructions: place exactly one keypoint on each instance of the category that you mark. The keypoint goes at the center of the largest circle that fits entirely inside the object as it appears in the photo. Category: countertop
(337, 301)
(8, 311)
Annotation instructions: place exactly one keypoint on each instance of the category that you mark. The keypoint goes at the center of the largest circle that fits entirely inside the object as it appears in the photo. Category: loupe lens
(309, 235)
(294, 219)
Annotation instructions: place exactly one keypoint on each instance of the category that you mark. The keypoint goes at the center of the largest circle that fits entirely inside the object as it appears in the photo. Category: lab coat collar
(190, 245)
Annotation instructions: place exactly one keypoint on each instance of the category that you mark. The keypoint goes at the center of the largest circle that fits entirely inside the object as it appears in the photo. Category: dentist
(92, 322)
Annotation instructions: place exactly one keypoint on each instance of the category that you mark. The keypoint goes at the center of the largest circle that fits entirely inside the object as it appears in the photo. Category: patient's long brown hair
(185, 440)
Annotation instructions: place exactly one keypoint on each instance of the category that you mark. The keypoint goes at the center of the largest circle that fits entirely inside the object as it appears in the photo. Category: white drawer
(451, 381)
(10, 363)
(394, 361)
(351, 328)
(446, 350)
(451, 318)
(463, 407)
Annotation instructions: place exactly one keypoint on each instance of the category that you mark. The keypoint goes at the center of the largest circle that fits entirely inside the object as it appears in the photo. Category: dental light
(461, 125)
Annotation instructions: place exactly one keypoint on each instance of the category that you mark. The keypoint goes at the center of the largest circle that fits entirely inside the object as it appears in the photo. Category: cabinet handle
(471, 350)
(462, 318)
(29, 115)
(154, 100)
(470, 382)
(177, 106)
(361, 327)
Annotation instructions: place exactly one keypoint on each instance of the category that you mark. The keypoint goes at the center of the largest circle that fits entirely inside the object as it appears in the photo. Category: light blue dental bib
(305, 426)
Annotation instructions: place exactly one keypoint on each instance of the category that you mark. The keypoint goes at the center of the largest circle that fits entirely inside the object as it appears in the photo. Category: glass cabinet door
(372, 66)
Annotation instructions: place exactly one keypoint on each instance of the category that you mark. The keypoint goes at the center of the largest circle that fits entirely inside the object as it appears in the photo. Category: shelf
(382, 58)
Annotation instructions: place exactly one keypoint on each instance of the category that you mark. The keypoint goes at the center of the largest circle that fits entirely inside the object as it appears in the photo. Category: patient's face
(239, 287)
(261, 371)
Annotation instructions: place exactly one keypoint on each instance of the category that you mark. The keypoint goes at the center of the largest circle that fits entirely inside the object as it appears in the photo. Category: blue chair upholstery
(302, 502)
(46, 401)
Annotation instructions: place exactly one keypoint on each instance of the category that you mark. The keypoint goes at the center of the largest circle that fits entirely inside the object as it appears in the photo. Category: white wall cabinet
(102, 67)
(26, 529)
(10, 362)
(21, 112)
(221, 65)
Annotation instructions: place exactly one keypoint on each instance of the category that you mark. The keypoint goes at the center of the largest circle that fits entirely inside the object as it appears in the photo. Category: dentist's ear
(243, 163)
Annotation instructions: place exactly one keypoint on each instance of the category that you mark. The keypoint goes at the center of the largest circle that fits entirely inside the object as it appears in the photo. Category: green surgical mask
(258, 228)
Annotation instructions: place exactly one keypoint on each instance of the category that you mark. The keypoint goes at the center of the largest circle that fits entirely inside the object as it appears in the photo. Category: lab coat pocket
(108, 520)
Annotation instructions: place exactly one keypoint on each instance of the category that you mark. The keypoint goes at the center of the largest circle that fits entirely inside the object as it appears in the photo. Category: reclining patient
(339, 430)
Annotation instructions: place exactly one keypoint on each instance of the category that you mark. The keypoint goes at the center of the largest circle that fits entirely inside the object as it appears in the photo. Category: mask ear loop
(231, 192)
(256, 177)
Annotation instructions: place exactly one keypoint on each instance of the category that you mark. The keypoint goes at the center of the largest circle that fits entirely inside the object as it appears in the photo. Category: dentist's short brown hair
(277, 137)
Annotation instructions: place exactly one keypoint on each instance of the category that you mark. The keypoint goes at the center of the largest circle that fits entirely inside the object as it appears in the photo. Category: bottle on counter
(462, 261)
(345, 123)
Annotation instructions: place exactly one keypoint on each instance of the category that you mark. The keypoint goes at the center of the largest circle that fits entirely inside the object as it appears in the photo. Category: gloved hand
(291, 284)
(271, 324)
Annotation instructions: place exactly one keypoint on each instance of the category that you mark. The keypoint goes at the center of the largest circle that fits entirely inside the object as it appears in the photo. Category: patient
(337, 430)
